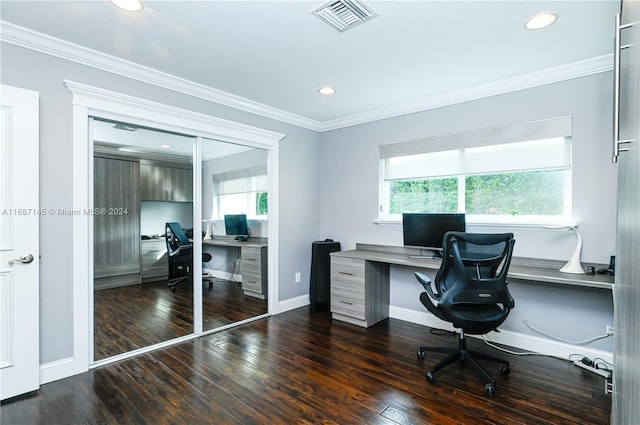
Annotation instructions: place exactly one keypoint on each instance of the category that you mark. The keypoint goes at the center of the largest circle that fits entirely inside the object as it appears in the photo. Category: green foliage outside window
(262, 203)
(518, 193)
(522, 193)
(425, 196)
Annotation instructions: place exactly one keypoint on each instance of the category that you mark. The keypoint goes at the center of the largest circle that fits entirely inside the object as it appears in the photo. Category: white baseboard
(56, 370)
(524, 342)
(223, 275)
(293, 303)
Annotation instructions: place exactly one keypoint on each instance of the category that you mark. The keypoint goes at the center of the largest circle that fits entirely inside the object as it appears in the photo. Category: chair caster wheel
(420, 354)
(504, 369)
(490, 389)
(430, 377)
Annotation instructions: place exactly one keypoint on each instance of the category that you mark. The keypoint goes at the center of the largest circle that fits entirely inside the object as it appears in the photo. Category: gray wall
(349, 196)
(299, 208)
(329, 188)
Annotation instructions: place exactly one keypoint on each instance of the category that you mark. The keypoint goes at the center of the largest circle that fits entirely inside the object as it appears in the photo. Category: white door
(19, 250)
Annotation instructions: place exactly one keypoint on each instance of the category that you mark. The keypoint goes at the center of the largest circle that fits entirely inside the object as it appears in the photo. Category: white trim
(91, 101)
(293, 303)
(518, 340)
(22, 37)
(535, 79)
(56, 47)
(56, 370)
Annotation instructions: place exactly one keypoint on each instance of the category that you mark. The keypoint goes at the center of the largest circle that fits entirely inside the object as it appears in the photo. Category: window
(241, 192)
(519, 173)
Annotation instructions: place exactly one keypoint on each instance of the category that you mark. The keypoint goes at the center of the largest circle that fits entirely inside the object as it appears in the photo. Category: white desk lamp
(207, 224)
(573, 266)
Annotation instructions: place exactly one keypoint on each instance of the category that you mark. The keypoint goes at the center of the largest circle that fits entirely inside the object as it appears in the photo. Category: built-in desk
(253, 262)
(360, 279)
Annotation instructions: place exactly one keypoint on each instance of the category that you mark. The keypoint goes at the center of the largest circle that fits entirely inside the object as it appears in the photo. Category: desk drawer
(251, 260)
(348, 287)
(251, 282)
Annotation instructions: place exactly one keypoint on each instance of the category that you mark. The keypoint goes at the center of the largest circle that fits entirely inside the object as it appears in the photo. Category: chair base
(463, 356)
(174, 282)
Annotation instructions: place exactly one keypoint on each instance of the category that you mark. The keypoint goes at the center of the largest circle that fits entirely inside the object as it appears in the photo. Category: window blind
(522, 132)
(252, 179)
(536, 145)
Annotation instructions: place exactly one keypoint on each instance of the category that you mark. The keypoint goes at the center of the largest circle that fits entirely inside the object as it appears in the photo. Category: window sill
(547, 224)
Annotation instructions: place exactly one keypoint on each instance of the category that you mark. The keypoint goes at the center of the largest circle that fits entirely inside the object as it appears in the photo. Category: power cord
(586, 341)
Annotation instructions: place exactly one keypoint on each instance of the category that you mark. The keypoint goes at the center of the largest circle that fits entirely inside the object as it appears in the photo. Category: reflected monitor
(236, 225)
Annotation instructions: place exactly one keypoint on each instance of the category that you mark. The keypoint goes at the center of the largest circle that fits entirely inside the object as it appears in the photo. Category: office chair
(470, 291)
(180, 251)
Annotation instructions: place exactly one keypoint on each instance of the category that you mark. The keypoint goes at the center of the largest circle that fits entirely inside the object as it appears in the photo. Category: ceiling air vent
(344, 14)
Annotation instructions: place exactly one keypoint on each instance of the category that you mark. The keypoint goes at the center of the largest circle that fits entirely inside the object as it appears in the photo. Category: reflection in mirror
(234, 186)
(142, 180)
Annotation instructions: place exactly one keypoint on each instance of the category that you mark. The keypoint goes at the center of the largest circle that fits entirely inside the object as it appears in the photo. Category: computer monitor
(236, 225)
(426, 230)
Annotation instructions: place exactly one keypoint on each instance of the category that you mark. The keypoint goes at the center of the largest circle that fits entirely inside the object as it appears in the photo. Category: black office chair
(470, 291)
(180, 251)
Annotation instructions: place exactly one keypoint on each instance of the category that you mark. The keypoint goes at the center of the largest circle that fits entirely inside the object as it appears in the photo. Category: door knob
(25, 259)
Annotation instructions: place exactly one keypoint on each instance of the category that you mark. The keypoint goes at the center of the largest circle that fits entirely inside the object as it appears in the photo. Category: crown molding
(52, 46)
(522, 82)
(42, 43)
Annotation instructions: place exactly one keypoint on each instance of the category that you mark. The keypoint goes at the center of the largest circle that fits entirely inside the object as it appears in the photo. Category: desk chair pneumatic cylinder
(470, 291)
(180, 252)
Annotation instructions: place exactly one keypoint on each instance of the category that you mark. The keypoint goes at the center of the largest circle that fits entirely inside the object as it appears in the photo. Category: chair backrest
(175, 238)
(473, 279)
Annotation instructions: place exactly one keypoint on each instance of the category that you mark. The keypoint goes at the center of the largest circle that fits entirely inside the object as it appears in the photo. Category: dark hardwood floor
(136, 316)
(303, 368)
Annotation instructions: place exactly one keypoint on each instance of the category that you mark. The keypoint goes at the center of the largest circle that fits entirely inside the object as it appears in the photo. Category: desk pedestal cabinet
(359, 291)
(253, 267)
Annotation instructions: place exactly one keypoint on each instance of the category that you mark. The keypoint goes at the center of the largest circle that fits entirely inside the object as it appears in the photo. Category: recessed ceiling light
(166, 146)
(541, 20)
(327, 90)
(128, 5)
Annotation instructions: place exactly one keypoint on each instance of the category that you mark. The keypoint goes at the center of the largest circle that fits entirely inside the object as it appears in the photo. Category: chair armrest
(423, 279)
(426, 284)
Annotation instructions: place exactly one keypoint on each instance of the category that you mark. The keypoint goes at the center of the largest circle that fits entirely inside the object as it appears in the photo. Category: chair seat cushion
(478, 319)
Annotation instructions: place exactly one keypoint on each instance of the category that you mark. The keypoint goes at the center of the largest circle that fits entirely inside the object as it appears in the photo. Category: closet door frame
(91, 101)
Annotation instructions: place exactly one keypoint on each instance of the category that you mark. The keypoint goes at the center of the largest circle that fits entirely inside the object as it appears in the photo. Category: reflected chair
(470, 291)
(180, 252)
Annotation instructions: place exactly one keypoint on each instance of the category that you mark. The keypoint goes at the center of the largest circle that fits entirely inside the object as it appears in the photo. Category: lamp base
(573, 267)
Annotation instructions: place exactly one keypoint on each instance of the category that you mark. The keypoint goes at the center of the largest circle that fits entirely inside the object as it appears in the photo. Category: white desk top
(230, 242)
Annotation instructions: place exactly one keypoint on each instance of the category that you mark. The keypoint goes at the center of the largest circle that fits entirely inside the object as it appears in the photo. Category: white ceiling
(274, 55)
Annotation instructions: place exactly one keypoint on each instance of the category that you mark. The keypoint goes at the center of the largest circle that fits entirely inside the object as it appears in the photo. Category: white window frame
(531, 131)
(248, 182)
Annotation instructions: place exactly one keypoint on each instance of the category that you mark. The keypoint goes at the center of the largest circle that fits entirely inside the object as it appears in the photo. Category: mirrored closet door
(143, 179)
(235, 225)
(144, 239)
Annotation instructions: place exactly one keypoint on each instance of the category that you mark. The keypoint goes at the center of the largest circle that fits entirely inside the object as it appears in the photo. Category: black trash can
(319, 295)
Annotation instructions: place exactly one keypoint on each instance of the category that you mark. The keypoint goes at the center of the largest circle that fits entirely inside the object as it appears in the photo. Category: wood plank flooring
(136, 316)
(301, 367)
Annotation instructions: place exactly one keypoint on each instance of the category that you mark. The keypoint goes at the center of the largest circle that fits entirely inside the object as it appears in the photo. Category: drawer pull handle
(348, 274)
(346, 302)
(250, 259)
(251, 281)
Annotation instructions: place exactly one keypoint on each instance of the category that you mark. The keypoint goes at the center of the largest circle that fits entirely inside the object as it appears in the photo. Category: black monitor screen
(236, 225)
(427, 230)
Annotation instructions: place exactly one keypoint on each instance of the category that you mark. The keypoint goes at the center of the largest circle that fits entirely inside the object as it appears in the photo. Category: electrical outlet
(298, 277)
(609, 330)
